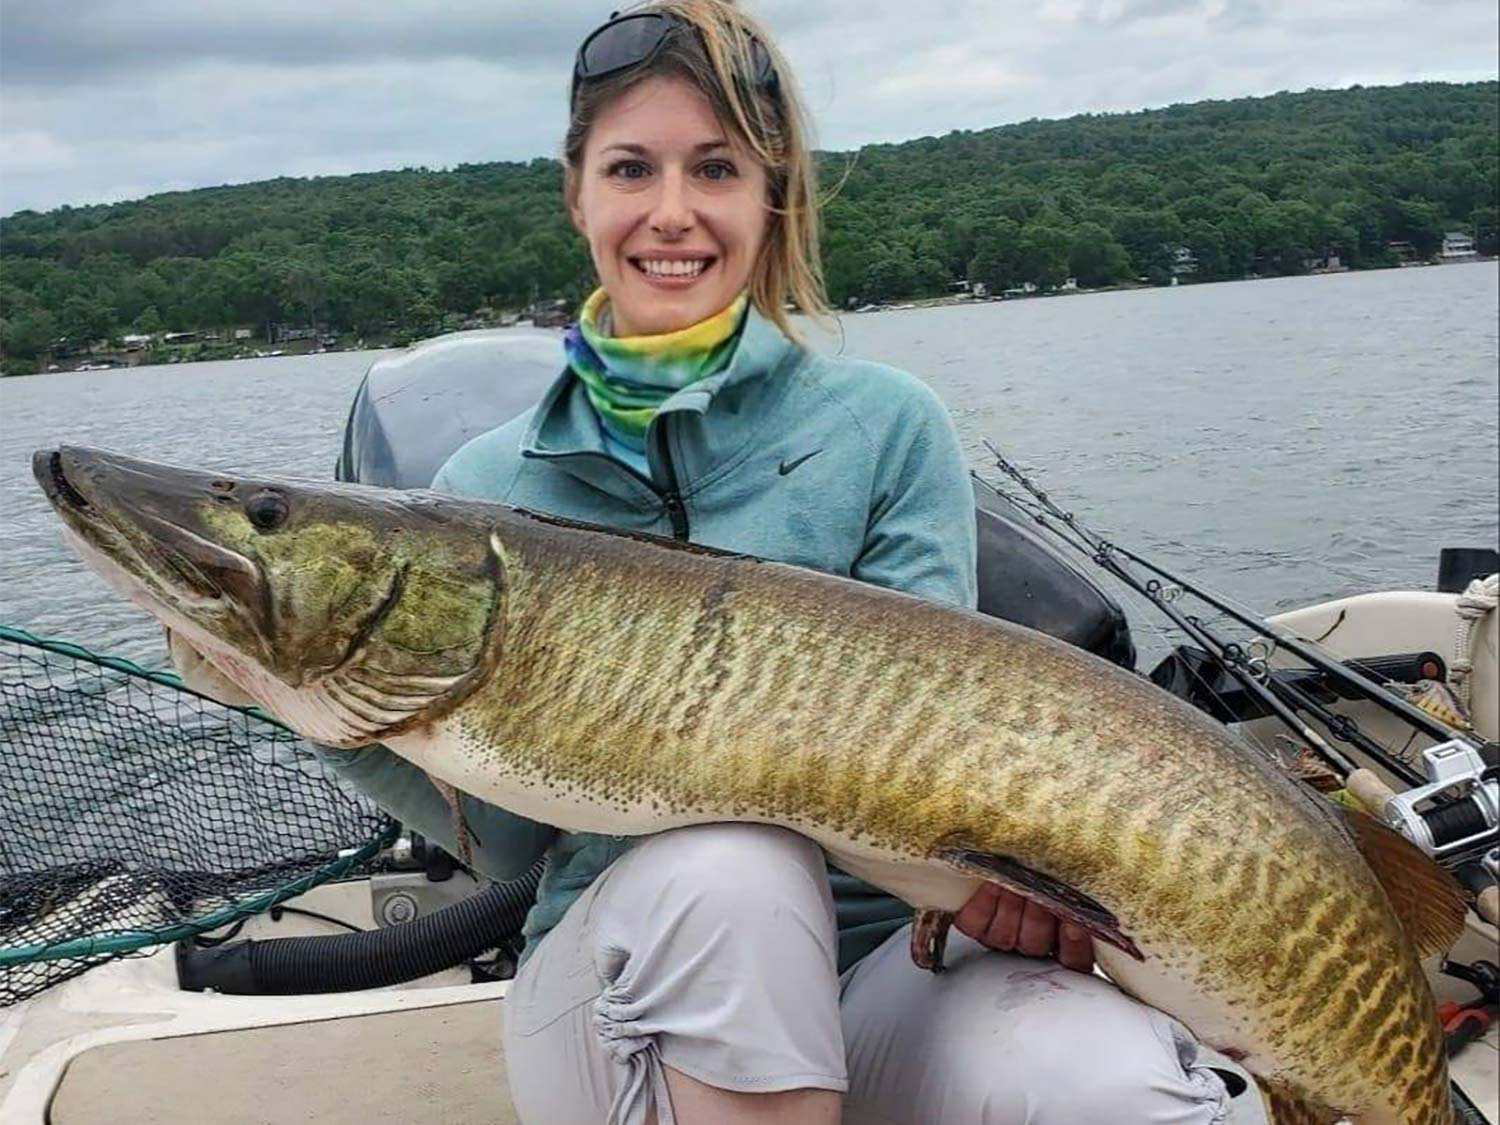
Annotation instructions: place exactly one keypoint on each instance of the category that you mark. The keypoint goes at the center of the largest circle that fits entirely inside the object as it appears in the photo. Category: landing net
(134, 812)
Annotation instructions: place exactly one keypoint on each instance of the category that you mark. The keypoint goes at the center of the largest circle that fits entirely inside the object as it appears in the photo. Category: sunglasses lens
(630, 40)
(765, 72)
(622, 43)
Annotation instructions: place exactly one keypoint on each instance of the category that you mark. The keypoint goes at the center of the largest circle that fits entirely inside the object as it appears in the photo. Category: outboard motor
(416, 408)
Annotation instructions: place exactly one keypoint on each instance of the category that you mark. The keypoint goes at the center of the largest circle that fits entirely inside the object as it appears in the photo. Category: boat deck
(430, 1063)
(123, 1044)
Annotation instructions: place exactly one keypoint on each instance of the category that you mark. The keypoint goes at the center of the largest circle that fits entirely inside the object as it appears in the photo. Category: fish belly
(440, 752)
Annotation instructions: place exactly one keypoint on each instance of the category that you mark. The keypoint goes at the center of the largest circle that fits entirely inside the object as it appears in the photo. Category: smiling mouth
(673, 269)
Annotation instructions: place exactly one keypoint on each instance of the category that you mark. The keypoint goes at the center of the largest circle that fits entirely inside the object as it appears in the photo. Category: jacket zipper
(671, 498)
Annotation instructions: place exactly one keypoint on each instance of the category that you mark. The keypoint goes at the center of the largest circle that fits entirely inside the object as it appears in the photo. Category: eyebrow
(641, 150)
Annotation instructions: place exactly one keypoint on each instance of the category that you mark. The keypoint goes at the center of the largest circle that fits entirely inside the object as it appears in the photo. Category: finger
(973, 918)
(1005, 926)
(1075, 948)
(1038, 933)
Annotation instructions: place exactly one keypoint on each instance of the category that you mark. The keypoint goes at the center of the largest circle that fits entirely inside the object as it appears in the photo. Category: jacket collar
(565, 427)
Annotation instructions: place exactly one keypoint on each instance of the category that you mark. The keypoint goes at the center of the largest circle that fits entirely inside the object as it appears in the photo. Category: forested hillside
(1253, 186)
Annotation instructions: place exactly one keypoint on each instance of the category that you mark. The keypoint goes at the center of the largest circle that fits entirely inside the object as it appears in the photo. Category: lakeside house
(551, 314)
(1404, 251)
(1457, 247)
(1329, 263)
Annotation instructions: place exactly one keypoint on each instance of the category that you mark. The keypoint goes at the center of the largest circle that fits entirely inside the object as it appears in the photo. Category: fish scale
(610, 683)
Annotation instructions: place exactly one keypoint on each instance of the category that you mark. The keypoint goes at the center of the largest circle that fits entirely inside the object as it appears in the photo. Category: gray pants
(711, 950)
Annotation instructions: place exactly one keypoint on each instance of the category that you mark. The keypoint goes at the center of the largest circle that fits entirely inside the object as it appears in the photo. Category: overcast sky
(102, 100)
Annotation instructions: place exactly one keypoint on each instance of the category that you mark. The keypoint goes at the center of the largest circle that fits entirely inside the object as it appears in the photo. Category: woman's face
(674, 211)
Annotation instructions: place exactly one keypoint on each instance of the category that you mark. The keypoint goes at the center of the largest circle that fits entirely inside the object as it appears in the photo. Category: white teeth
(664, 268)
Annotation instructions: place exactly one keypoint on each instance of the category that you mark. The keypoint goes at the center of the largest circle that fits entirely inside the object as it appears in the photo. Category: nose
(672, 210)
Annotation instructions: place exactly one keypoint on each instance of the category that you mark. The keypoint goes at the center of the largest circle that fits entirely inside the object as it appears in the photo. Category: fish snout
(51, 467)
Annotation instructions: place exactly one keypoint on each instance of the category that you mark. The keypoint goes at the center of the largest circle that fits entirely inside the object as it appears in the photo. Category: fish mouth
(47, 467)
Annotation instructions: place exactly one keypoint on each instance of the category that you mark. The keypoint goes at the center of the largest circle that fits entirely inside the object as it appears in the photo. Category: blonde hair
(772, 124)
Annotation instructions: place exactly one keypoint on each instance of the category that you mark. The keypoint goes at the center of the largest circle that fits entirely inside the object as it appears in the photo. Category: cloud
(951, 71)
(109, 40)
(1119, 12)
(107, 99)
(32, 151)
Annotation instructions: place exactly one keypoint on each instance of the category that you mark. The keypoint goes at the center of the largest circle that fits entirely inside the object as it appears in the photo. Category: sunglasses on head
(627, 41)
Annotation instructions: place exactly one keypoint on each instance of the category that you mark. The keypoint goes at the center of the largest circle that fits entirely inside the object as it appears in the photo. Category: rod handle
(1488, 904)
(1366, 787)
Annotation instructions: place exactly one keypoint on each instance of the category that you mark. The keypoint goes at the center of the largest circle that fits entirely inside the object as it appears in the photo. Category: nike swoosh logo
(787, 466)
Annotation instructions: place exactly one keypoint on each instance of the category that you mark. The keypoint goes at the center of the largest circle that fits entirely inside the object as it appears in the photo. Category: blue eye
(718, 170)
(629, 169)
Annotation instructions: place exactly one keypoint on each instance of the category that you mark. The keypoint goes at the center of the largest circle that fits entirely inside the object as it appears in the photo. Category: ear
(570, 196)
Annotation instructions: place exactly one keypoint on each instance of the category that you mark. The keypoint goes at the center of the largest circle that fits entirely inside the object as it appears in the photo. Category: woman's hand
(1003, 920)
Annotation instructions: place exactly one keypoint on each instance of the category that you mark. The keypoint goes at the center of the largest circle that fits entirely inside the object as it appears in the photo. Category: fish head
(349, 612)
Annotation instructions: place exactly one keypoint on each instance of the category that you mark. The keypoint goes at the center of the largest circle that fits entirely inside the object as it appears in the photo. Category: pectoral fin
(929, 938)
(1057, 897)
(463, 834)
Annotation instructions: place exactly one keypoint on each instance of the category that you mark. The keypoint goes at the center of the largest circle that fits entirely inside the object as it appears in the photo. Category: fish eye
(267, 511)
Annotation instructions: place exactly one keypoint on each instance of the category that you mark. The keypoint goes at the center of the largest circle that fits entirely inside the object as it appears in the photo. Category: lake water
(1280, 441)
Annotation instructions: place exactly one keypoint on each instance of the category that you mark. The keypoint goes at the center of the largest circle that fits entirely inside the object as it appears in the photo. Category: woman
(723, 973)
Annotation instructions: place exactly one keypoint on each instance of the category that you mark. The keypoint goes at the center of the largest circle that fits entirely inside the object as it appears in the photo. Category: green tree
(1095, 258)
(86, 321)
(1287, 236)
(1485, 222)
(1152, 239)
(1043, 255)
(149, 323)
(26, 332)
(890, 276)
(1252, 185)
(996, 255)
(1416, 221)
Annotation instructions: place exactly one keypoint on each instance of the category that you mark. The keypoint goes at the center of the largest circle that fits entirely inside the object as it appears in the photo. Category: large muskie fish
(615, 683)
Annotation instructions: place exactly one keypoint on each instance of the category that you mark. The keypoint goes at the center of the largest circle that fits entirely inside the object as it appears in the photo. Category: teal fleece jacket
(827, 462)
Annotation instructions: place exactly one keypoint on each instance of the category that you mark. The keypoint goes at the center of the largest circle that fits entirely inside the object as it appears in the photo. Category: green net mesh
(135, 812)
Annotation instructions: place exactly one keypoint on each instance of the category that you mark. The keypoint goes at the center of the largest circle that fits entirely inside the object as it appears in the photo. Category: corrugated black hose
(370, 959)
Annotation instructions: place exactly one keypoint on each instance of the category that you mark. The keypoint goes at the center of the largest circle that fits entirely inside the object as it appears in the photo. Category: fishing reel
(1454, 816)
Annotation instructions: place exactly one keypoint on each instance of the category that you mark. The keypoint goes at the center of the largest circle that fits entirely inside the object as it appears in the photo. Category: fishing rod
(1253, 674)
(1229, 655)
(1414, 716)
(1428, 724)
(1272, 691)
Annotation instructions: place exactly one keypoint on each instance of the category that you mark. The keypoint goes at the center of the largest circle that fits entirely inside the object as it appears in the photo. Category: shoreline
(1133, 286)
(96, 363)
